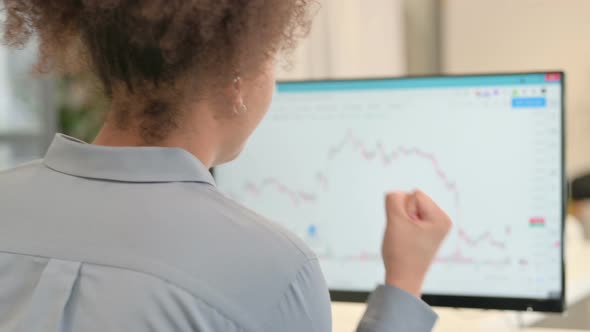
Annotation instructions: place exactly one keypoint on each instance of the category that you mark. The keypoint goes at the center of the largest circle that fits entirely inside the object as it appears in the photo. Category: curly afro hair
(149, 48)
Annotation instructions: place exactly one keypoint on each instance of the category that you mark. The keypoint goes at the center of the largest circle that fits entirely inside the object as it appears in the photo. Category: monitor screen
(488, 149)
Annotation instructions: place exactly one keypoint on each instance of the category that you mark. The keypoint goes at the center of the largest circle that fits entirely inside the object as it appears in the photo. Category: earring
(242, 108)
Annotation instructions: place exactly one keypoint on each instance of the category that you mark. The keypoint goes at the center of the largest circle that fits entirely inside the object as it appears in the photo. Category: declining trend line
(295, 196)
(379, 153)
(298, 196)
(387, 158)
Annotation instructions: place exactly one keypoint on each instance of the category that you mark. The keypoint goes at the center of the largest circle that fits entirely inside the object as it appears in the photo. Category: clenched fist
(416, 228)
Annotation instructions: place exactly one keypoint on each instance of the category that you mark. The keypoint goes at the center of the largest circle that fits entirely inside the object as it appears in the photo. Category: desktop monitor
(489, 149)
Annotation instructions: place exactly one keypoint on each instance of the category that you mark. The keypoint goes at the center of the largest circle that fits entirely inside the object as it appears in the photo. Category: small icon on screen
(553, 77)
(312, 230)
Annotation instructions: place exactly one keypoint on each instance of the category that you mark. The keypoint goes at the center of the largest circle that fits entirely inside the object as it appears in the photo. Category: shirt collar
(126, 164)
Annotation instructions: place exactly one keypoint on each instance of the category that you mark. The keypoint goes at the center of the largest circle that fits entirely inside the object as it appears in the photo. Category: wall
(353, 38)
(371, 38)
(5, 90)
(520, 35)
(27, 111)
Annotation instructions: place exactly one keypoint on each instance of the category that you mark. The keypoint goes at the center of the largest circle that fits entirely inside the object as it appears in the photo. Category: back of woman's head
(158, 52)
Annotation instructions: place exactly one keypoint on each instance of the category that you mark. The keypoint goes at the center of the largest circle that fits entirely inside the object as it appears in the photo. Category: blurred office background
(354, 38)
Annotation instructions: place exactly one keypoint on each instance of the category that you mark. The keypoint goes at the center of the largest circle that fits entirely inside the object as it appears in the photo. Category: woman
(129, 233)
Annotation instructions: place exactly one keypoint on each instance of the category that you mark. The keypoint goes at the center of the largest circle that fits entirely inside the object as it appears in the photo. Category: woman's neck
(205, 151)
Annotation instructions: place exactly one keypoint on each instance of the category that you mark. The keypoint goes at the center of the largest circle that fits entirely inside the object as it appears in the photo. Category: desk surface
(550, 330)
(346, 316)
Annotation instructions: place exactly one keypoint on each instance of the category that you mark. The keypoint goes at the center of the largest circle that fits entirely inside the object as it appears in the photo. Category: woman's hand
(416, 227)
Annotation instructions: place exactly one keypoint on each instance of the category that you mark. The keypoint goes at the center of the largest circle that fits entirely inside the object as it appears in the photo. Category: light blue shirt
(98, 239)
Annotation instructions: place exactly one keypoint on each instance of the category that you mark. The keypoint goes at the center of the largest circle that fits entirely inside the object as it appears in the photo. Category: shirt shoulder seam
(308, 256)
(147, 273)
(171, 284)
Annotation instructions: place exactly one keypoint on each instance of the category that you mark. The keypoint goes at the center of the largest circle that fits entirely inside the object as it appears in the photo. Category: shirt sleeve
(306, 307)
(392, 309)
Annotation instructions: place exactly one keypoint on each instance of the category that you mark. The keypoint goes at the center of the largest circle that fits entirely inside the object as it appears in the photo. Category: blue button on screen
(533, 102)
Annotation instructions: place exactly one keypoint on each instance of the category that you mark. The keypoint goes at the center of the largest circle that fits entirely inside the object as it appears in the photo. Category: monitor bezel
(556, 305)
